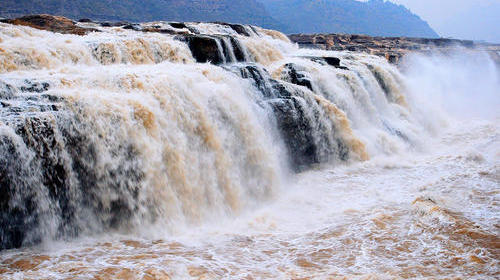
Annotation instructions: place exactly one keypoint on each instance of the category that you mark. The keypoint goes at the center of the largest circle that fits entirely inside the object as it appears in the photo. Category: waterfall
(126, 128)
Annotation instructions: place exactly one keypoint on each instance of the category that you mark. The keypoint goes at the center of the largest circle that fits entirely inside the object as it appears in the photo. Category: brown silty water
(165, 168)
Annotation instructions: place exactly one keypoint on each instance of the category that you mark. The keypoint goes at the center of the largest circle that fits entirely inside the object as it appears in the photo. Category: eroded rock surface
(51, 23)
(392, 48)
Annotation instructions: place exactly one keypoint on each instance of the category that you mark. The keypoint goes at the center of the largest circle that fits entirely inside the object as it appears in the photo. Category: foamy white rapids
(122, 157)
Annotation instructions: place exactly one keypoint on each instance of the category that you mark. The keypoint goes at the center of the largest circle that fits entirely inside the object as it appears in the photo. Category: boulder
(297, 132)
(114, 24)
(260, 78)
(6, 91)
(178, 25)
(333, 61)
(136, 27)
(298, 117)
(297, 75)
(204, 48)
(85, 20)
(216, 49)
(327, 60)
(51, 23)
(238, 28)
(159, 30)
(34, 86)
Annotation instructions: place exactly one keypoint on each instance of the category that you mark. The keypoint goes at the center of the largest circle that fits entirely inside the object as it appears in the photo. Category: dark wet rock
(47, 171)
(105, 24)
(48, 177)
(392, 58)
(9, 91)
(296, 74)
(32, 98)
(298, 117)
(136, 27)
(85, 20)
(6, 91)
(52, 98)
(238, 28)
(114, 23)
(159, 29)
(32, 173)
(164, 31)
(308, 140)
(215, 49)
(260, 78)
(121, 179)
(51, 23)
(203, 48)
(34, 86)
(333, 61)
(103, 53)
(327, 60)
(236, 47)
(178, 25)
(14, 224)
(381, 81)
(296, 131)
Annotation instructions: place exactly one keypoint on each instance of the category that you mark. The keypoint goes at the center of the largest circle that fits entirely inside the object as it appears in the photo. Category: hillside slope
(238, 11)
(375, 17)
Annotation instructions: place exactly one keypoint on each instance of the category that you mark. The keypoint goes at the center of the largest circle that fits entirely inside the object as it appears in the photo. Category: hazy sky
(466, 19)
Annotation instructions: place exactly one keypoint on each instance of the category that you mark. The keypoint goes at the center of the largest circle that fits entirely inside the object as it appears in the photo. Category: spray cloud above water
(463, 83)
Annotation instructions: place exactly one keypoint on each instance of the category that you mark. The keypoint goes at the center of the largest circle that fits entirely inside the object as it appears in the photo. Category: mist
(463, 84)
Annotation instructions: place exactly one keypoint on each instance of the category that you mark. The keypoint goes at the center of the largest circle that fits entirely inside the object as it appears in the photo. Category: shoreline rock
(392, 48)
(51, 23)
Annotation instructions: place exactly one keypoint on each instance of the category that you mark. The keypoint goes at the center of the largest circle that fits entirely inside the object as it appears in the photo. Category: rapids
(225, 151)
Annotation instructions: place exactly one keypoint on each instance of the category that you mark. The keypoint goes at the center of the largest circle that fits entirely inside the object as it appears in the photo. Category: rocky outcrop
(239, 28)
(6, 91)
(204, 48)
(297, 75)
(298, 116)
(216, 49)
(327, 60)
(51, 23)
(392, 48)
(47, 169)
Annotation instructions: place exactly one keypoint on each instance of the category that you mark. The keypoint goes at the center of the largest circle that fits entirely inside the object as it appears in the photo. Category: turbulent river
(226, 152)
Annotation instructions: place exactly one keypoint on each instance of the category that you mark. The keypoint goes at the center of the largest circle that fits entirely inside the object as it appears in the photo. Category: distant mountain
(237, 11)
(374, 17)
